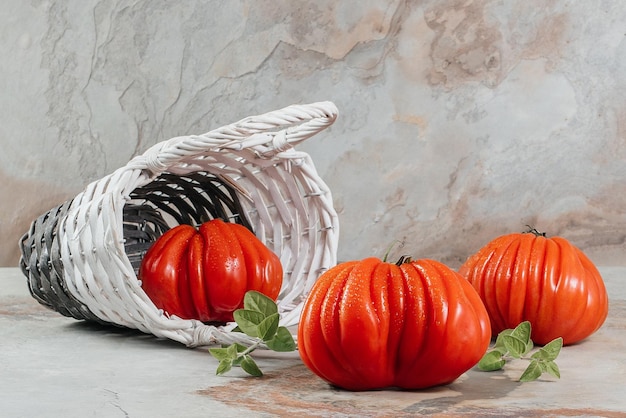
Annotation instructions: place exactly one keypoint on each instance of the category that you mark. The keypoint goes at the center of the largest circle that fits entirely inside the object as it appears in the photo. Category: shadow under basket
(81, 258)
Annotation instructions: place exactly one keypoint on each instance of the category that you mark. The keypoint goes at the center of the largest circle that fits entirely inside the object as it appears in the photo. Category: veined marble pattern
(459, 120)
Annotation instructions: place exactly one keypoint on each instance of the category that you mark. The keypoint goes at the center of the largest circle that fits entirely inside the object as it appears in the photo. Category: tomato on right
(545, 280)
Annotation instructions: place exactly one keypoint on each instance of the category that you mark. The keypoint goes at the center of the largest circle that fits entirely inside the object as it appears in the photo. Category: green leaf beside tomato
(516, 343)
(259, 319)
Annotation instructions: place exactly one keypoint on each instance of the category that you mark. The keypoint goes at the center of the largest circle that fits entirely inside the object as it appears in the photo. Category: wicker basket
(81, 258)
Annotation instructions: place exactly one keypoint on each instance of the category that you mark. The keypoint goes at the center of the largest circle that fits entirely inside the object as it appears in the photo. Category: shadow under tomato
(288, 390)
(468, 395)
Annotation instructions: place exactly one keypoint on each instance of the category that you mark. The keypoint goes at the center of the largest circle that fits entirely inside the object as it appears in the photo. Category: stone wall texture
(459, 120)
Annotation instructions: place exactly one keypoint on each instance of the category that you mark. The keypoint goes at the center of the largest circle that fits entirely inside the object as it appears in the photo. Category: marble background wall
(459, 120)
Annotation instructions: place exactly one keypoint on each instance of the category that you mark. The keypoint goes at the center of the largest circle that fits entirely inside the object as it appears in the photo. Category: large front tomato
(204, 274)
(371, 324)
(547, 281)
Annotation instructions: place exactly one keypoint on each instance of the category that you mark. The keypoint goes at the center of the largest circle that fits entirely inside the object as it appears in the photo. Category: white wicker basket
(82, 257)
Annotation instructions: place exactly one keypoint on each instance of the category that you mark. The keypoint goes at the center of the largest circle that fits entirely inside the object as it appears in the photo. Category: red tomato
(547, 281)
(204, 274)
(371, 324)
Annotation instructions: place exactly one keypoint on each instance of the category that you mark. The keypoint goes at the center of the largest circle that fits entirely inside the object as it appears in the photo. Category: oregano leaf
(283, 341)
(553, 369)
(220, 353)
(501, 335)
(232, 350)
(224, 366)
(259, 319)
(515, 346)
(491, 361)
(249, 366)
(529, 346)
(532, 372)
(522, 332)
(551, 350)
(268, 327)
(248, 321)
(258, 302)
(516, 343)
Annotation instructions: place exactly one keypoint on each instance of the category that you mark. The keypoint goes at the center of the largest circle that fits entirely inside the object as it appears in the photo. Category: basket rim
(84, 226)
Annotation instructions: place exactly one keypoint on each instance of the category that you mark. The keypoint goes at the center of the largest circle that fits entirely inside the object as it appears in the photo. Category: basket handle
(272, 132)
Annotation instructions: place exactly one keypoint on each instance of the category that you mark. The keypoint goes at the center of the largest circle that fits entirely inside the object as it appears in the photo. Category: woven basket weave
(81, 258)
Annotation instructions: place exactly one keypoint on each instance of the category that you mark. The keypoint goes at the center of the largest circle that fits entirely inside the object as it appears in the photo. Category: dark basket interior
(191, 199)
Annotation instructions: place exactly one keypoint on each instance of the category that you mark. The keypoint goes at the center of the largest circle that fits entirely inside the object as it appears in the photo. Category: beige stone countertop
(53, 366)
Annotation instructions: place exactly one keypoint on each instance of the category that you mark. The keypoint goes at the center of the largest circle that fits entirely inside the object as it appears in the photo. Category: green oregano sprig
(259, 319)
(516, 343)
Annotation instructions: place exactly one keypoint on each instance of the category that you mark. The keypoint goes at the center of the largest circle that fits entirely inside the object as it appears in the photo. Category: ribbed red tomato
(204, 274)
(371, 324)
(547, 281)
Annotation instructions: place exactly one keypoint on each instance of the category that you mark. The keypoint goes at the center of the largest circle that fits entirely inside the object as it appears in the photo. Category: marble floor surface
(52, 366)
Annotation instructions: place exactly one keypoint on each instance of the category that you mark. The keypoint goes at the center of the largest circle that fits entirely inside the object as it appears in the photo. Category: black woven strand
(193, 198)
(42, 265)
(143, 224)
